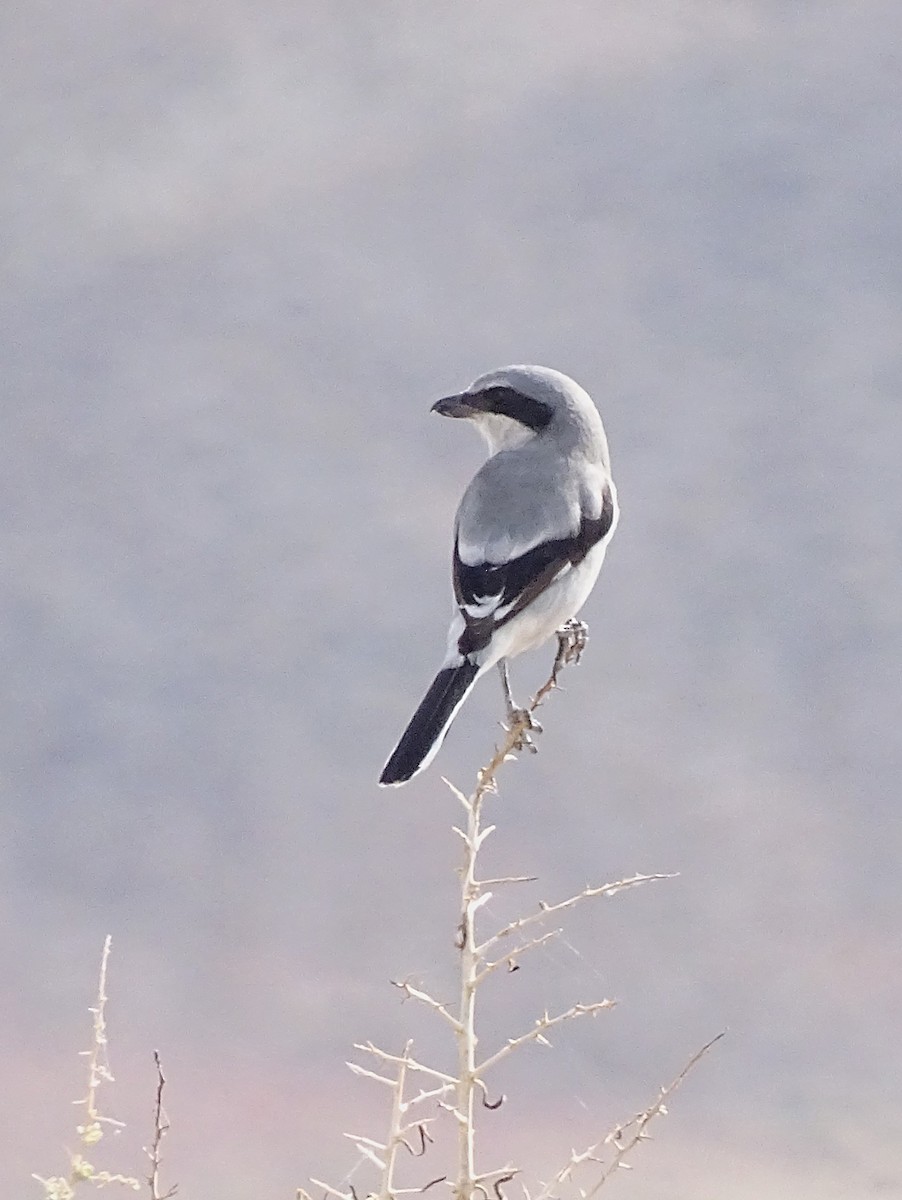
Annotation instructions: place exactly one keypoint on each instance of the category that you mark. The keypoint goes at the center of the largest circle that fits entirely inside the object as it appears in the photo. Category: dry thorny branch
(92, 1129)
(440, 1092)
(160, 1129)
(95, 1124)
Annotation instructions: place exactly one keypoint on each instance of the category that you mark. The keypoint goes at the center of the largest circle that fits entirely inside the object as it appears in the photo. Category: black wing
(491, 594)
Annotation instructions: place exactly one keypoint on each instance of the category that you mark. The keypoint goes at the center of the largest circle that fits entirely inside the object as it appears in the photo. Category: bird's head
(512, 405)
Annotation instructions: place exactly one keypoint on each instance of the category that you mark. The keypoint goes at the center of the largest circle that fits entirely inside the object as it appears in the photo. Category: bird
(530, 537)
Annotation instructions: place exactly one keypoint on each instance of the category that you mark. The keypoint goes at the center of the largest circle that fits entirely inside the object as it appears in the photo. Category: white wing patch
(482, 606)
(491, 606)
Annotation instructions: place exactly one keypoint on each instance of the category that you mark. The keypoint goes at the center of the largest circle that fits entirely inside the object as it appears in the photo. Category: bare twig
(412, 1064)
(424, 998)
(395, 1136)
(160, 1129)
(466, 1027)
(472, 962)
(384, 1154)
(60, 1187)
(549, 910)
(327, 1188)
(541, 1027)
(509, 879)
(621, 1146)
(98, 1061)
(510, 959)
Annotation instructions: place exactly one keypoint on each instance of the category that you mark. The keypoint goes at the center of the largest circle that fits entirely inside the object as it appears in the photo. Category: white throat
(502, 433)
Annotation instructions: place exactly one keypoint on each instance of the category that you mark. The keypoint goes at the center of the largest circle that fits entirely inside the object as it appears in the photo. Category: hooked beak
(455, 406)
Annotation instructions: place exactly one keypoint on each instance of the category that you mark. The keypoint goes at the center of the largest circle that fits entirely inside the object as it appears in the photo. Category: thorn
(424, 1138)
(496, 1186)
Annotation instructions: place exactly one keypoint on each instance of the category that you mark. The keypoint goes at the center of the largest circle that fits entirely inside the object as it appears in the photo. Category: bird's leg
(506, 685)
(518, 716)
(572, 639)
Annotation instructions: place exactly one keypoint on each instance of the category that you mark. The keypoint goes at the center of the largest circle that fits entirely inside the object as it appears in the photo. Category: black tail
(429, 724)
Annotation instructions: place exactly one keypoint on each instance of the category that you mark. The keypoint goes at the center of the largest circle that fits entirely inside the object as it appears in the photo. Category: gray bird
(529, 538)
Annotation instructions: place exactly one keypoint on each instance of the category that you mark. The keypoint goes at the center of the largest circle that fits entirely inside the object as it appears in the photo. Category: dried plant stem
(473, 967)
(98, 1063)
(471, 894)
(548, 910)
(386, 1191)
(456, 1095)
(622, 1145)
(95, 1123)
(160, 1129)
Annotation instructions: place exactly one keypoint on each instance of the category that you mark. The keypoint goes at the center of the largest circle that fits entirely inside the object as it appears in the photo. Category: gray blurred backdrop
(244, 248)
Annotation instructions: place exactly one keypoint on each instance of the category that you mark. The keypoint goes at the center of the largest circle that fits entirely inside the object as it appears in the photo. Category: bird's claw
(522, 722)
(572, 639)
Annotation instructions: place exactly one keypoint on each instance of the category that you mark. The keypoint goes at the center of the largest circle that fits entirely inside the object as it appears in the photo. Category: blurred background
(245, 246)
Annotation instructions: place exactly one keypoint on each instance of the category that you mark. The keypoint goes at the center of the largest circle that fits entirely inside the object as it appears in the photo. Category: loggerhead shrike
(529, 538)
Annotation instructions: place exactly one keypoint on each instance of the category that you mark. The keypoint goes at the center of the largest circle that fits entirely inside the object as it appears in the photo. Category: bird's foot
(572, 639)
(522, 722)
